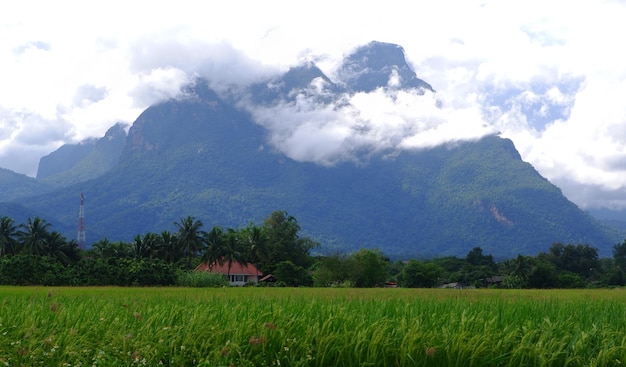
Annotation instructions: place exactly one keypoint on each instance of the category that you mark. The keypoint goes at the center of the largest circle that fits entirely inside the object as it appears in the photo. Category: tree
(232, 251)
(138, 247)
(578, 259)
(32, 235)
(101, 248)
(331, 270)
(475, 257)
(368, 268)
(144, 248)
(619, 255)
(8, 232)
(284, 242)
(56, 246)
(417, 274)
(543, 275)
(213, 250)
(190, 237)
(516, 271)
(256, 241)
(167, 247)
(104, 249)
(292, 275)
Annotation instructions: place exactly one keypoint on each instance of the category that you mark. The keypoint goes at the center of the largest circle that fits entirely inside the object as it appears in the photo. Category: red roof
(235, 269)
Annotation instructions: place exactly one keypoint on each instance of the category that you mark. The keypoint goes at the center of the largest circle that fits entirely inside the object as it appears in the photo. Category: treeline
(30, 253)
(33, 254)
(563, 266)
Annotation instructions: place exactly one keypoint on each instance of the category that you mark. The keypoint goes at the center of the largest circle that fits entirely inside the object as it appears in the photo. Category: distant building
(239, 274)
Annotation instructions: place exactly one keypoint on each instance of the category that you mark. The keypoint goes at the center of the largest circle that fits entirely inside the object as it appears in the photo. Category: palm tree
(190, 237)
(213, 252)
(143, 248)
(257, 245)
(56, 246)
(32, 235)
(167, 248)
(101, 249)
(8, 231)
(121, 250)
(232, 250)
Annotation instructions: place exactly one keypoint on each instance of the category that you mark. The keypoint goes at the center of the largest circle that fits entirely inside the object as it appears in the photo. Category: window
(237, 278)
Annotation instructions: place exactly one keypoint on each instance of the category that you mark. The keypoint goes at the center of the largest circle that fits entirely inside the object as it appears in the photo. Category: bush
(201, 279)
(32, 270)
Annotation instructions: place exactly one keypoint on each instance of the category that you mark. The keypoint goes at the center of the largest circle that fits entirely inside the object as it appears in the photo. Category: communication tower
(81, 239)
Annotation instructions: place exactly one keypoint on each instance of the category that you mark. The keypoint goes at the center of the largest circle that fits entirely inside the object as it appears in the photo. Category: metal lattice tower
(81, 239)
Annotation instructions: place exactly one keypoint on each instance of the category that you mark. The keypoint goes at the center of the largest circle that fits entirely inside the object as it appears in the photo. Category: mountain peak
(297, 80)
(379, 64)
(115, 131)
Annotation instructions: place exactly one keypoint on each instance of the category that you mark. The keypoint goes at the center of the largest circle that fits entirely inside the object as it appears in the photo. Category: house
(239, 274)
(494, 281)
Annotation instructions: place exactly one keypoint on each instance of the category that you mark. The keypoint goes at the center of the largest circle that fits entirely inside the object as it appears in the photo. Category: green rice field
(42, 326)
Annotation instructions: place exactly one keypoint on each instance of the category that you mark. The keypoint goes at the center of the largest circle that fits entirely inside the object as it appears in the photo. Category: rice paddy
(42, 326)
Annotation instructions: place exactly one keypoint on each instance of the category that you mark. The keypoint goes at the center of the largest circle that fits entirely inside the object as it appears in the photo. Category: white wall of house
(240, 279)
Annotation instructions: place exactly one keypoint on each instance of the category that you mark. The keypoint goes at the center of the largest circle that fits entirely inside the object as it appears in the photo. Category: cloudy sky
(550, 75)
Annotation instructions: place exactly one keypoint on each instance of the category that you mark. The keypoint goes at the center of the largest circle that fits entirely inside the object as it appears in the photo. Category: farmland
(310, 327)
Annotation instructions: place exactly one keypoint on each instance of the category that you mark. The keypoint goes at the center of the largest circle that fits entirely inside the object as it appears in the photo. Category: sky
(549, 75)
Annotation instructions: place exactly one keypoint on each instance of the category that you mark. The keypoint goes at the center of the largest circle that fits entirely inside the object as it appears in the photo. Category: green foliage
(475, 257)
(292, 275)
(284, 242)
(33, 270)
(543, 275)
(99, 272)
(8, 233)
(417, 274)
(153, 259)
(619, 255)
(570, 280)
(331, 271)
(44, 326)
(201, 279)
(368, 268)
(577, 259)
(15, 186)
(363, 269)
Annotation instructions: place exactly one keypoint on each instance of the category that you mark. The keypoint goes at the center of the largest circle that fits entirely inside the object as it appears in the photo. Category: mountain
(14, 185)
(379, 64)
(64, 158)
(204, 156)
(73, 163)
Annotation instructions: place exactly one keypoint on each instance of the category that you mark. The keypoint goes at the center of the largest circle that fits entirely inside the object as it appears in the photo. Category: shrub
(201, 279)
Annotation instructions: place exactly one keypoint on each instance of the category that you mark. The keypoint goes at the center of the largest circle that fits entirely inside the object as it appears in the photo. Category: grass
(310, 327)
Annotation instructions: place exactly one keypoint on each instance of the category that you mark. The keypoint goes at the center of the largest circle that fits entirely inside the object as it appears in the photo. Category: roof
(268, 277)
(235, 269)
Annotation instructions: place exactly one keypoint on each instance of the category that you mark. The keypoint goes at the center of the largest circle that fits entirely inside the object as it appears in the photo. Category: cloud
(355, 125)
(35, 45)
(157, 85)
(26, 134)
(87, 94)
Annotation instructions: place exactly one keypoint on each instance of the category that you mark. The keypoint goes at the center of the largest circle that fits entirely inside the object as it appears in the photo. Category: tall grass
(310, 327)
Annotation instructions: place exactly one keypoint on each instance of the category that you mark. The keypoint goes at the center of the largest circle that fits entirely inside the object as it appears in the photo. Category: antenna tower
(81, 239)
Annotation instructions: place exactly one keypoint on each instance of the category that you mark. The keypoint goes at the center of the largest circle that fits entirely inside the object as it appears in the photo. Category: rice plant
(310, 327)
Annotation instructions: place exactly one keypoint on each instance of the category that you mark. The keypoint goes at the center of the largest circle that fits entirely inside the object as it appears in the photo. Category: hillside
(73, 163)
(204, 156)
(14, 186)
